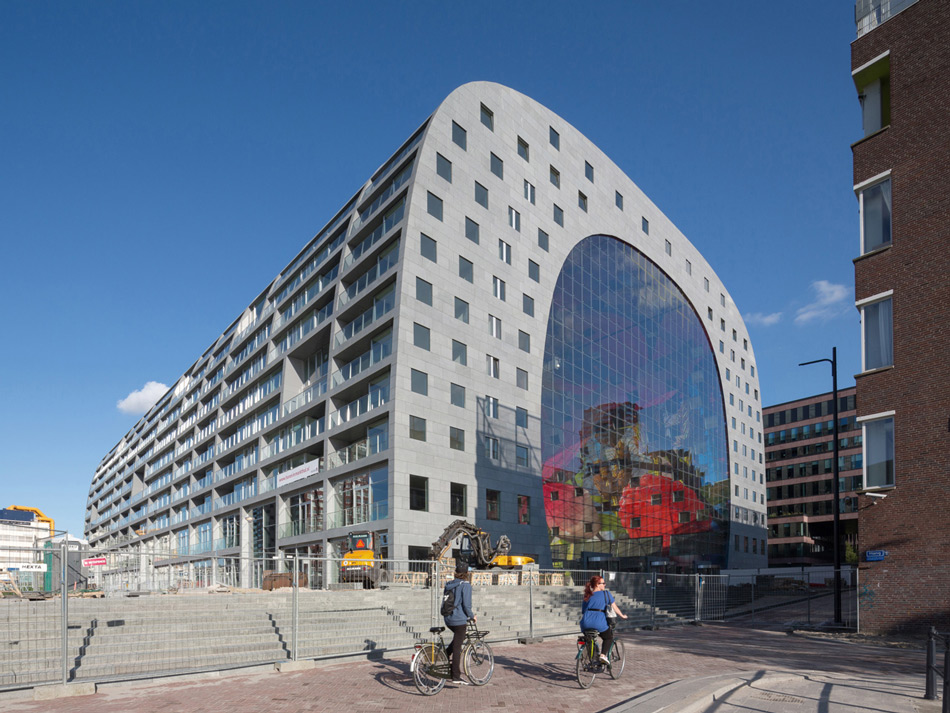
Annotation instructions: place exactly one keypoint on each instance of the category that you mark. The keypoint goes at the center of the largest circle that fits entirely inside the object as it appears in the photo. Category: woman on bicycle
(458, 619)
(597, 602)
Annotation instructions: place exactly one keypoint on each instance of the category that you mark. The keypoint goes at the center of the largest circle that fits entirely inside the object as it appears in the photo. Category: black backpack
(448, 601)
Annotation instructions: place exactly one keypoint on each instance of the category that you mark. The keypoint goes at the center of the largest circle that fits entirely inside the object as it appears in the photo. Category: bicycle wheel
(617, 659)
(586, 670)
(425, 670)
(478, 662)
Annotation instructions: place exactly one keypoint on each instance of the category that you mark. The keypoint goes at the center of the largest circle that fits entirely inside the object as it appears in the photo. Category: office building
(498, 326)
(901, 68)
(799, 472)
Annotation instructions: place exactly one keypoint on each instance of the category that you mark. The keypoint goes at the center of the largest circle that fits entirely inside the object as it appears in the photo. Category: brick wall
(910, 588)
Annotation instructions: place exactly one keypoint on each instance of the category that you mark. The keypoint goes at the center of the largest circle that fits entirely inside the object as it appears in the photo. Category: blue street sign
(874, 555)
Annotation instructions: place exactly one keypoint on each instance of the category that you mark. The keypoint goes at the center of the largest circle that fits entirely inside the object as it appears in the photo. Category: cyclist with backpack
(456, 611)
(598, 605)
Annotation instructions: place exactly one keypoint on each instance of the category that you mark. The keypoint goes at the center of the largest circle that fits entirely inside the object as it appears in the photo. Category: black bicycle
(588, 664)
(430, 664)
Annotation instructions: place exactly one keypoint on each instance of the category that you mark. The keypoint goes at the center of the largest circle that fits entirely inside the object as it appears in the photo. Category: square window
(645, 225)
(420, 382)
(417, 428)
(618, 199)
(457, 505)
(420, 336)
(466, 269)
(471, 230)
(543, 240)
(875, 208)
(524, 501)
(873, 83)
(878, 334)
(521, 417)
(461, 310)
(534, 271)
(493, 365)
(456, 439)
(494, 326)
(443, 167)
(498, 287)
(529, 192)
(497, 166)
(459, 136)
(457, 395)
(554, 137)
(521, 458)
(558, 215)
(668, 247)
(523, 148)
(656, 499)
(481, 195)
(493, 497)
(524, 341)
(588, 172)
(424, 291)
(491, 407)
(514, 219)
(522, 379)
(418, 493)
(504, 252)
(459, 353)
(555, 177)
(582, 201)
(428, 247)
(434, 206)
(488, 117)
(684, 516)
(527, 305)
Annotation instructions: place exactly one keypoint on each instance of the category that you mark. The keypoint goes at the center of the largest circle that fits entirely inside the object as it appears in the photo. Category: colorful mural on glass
(633, 425)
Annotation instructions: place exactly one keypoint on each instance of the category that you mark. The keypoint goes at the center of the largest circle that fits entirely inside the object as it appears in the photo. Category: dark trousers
(457, 641)
(607, 636)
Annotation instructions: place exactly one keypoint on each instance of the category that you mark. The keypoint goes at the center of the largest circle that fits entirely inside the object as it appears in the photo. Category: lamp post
(836, 488)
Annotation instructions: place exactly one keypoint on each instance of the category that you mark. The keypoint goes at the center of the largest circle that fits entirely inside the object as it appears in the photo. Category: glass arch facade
(633, 431)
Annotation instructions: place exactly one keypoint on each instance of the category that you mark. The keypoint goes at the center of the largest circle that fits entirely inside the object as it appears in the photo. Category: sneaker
(460, 682)
(604, 660)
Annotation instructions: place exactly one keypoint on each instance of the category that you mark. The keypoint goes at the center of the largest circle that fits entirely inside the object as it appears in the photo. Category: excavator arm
(482, 551)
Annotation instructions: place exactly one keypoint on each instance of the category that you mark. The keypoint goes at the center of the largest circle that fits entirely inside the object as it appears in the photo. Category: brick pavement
(535, 677)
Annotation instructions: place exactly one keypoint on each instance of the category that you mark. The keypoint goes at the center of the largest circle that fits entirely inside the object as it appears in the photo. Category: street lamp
(836, 487)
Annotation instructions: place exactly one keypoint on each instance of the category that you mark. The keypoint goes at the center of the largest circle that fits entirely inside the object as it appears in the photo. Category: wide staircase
(129, 637)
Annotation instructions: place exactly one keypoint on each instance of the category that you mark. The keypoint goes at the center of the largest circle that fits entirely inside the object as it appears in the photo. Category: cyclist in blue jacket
(457, 621)
(597, 602)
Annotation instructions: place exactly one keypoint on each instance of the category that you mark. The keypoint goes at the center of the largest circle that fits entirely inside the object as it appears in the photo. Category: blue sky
(161, 162)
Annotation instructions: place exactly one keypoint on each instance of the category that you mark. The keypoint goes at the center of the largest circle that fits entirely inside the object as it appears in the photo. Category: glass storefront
(633, 429)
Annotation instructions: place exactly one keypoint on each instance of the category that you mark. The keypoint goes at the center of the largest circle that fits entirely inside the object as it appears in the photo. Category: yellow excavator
(475, 548)
(361, 564)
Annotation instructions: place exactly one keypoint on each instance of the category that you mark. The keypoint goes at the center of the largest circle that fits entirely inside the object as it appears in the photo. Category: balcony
(367, 512)
(304, 398)
(300, 527)
(869, 14)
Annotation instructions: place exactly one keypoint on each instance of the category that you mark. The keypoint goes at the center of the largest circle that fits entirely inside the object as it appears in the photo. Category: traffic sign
(875, 555)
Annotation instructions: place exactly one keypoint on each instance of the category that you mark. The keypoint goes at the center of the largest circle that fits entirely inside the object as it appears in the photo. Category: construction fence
(71, 615)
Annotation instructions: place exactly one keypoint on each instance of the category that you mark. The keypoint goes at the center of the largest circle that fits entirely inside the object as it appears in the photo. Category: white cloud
(757, 319)
(138, 402)
(830, 301)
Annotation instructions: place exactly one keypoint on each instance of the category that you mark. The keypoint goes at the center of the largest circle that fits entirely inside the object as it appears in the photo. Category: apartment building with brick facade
(901, 69)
